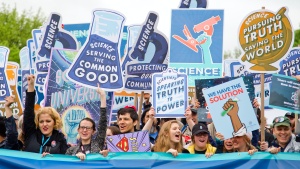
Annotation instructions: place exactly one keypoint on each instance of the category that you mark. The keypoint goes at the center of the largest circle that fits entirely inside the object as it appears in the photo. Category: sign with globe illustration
(265, 38)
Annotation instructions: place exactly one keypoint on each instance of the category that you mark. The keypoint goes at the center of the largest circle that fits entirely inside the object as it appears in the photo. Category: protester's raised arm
(188, 116)
(11, 127)
(149, 123)
(29, 125)
(102, 125)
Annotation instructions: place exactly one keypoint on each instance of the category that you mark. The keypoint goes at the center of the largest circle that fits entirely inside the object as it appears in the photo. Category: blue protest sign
(25, 71)
(80, 31)
(98, 61)
(193, 4)
(231, 109)
(169, 93)
(148, 55)
(4, 86)
(199, 53)
(291, 64)
(53, 36)
(72, 101)
(19, 87)
(285, 93)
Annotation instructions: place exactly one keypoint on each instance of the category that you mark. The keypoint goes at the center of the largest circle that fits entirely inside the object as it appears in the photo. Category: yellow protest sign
(265, 38)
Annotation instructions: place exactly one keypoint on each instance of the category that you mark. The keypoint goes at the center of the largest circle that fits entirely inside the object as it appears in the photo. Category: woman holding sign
(169, 138)
(87, 128)
(41, 129)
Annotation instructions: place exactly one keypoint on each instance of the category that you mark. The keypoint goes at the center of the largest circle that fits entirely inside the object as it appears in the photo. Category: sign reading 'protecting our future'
(265, 38)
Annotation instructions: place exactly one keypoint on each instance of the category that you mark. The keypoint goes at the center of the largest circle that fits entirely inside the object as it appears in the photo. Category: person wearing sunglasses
(87, 128)
(284, 139)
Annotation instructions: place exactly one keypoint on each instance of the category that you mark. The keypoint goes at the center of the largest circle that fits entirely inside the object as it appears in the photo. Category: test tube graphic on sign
(133, 34)
(98, 61)
(4, 87)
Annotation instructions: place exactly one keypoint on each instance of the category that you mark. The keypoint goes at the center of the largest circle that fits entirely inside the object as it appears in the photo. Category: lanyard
(43, 144)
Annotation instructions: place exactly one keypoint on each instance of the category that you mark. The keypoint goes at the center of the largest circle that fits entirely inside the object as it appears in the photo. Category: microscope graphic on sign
(204, 40)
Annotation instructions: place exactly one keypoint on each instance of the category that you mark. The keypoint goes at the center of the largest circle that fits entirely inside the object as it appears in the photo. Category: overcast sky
(80, 11)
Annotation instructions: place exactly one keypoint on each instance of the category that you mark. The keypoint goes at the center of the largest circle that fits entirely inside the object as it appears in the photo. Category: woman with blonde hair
(41, 130)
(243, 144)
(169, 138)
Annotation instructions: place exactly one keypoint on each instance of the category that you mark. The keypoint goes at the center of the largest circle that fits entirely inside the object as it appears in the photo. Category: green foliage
(296, 38)
(16, 29)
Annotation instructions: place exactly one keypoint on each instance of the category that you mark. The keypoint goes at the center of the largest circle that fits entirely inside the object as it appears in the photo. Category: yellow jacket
(209, 149)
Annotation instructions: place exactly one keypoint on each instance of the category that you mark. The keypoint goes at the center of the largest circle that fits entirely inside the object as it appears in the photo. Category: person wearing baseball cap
(284, 140)
(200, 142)
(191, 119)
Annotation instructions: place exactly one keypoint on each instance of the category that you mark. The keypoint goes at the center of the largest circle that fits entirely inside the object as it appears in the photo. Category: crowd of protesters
(39, 131)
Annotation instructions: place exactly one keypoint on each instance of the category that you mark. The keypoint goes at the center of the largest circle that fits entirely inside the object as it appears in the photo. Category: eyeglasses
(88, 128)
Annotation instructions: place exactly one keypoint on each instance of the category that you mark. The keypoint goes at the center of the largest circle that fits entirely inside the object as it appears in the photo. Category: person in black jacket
(41, 129)
(8, 128)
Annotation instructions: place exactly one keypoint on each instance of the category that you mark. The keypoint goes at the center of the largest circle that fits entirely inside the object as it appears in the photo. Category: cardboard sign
(148, 54)
(199, 52)
(169, 94)
(285, 93)
(129, 142)
(265, 39)
(231, 109)
(291, 64)
(72, 101)
(98, 61)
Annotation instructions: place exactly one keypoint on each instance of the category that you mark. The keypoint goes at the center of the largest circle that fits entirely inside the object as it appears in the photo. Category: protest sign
(169, 93)
(129, 142)
(199, 53)
(231, 109)
(148, 54)
(284, 93)
(72, 101)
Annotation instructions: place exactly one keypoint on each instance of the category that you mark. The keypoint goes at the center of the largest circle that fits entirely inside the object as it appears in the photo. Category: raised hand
(188, 113)
(30, 82)
(9, 100)
(102, 94)
(231, 107)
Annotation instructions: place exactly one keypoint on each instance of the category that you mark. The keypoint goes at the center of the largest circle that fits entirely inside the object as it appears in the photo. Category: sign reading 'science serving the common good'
(265, 38)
